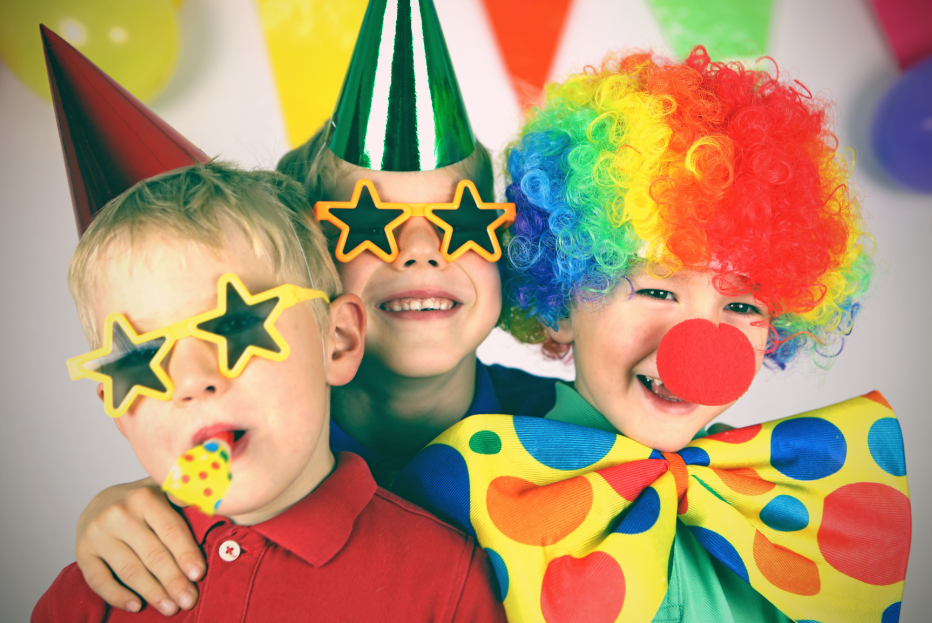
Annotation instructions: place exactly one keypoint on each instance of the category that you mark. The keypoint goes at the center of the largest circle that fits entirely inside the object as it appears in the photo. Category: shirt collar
(571, 407)
(316, 528)
(484, 399)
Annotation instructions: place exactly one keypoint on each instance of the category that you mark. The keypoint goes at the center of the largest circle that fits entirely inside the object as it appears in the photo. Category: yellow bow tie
(811, 510)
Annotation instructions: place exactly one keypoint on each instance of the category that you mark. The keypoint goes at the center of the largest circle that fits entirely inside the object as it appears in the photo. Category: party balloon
(902, 132)
(134, 41)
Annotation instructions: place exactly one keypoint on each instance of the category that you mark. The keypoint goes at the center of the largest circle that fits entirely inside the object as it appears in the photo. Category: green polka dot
(485, 442)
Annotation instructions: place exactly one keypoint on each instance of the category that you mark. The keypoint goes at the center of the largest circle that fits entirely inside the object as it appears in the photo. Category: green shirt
(701, 589)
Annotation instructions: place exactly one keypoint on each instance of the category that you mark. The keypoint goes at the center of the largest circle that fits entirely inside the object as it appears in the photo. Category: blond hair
(319, 170)
(196, 203)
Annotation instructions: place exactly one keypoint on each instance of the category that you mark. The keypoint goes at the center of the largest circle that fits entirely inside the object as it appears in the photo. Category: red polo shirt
(349, 551)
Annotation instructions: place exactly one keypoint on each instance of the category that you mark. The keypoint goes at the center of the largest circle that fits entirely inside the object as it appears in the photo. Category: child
(304, 533)
(666, 214)
(427, 312)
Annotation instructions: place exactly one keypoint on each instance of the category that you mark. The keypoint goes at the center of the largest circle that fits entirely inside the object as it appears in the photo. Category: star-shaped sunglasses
(242, 326)
(368, 223)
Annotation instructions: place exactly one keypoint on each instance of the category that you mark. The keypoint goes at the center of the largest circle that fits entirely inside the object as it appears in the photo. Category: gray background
(58, 448)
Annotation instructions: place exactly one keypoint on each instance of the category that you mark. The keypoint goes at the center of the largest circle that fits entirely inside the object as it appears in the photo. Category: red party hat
(110, 139)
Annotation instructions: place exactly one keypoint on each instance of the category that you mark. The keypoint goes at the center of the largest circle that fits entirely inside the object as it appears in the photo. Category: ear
(348, 333)
(564, 333)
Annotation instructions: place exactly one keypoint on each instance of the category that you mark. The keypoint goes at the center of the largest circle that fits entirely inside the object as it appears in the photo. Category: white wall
(57, 448)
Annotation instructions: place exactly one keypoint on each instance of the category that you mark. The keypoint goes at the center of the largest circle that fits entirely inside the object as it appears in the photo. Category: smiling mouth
(434, 303)
(657, 388)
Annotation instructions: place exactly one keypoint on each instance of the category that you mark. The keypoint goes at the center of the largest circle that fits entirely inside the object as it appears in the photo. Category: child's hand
(134, 532)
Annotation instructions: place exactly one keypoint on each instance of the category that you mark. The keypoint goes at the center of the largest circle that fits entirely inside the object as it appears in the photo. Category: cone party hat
(400, 107)
(110, 139)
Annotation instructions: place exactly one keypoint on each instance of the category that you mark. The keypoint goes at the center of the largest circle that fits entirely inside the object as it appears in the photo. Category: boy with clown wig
(678, 225)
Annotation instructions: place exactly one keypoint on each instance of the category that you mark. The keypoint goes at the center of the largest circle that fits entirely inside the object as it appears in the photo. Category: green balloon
(134, 41)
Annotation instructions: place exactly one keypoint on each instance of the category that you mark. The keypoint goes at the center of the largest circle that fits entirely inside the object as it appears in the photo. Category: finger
(153, 549)
(152, 555)
(125, 564)
(100, 580)
(172, 530)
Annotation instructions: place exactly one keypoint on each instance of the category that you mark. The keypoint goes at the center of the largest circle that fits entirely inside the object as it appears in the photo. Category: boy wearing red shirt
(174, 278)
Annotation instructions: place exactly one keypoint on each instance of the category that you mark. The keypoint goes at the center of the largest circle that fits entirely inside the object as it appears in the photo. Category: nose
(418, 244)
(704, 363)
(194, 370)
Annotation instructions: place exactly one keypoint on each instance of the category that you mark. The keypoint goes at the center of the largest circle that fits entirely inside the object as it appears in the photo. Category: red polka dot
(590, 589)
(878, 398)
(865, 532)
(185, 478)
(188, 457)
(629, 479)
(744, 480)
(786, 569)
(736, 435)
(215, 465)
(202, 475)
(525, 512)
(208, 492)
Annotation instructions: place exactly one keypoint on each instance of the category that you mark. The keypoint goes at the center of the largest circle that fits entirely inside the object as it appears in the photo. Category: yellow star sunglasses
(242, 326)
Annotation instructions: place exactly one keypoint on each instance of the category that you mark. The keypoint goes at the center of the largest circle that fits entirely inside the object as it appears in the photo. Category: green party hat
(400, 107)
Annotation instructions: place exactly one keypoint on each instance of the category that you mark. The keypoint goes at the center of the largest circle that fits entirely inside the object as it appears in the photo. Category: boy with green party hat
(403, 186)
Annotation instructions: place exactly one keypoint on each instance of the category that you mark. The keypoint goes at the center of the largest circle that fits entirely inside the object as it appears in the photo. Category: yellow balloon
(310, 44)
(134, 41)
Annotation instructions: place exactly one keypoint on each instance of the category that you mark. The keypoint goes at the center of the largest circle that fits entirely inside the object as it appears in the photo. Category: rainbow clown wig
(695, 165)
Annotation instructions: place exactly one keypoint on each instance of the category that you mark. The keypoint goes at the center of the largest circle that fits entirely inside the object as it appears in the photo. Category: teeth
(408, 304)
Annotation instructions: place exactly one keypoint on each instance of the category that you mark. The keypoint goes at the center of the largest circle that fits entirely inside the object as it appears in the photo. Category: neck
(398, 415)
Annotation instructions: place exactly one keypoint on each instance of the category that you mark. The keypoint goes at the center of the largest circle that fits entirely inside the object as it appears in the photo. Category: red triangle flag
(109, 138)
(528, 32)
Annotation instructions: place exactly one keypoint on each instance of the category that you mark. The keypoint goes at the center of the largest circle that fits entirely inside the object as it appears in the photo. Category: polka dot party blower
(201, 476)
(812, 511)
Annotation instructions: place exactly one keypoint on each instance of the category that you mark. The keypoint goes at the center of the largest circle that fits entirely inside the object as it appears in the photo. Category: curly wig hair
(696, 165)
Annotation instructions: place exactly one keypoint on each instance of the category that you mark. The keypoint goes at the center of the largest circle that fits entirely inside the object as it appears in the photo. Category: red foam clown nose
(706, 364)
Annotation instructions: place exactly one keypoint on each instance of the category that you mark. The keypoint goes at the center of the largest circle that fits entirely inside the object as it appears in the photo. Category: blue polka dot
(655, 454)
(721, 549)
(785, 513)
(694, 456)
(641, 515)
(891, 614)
(560, 445)
(807, 621)
(437, 479)
(211, 446)
(501, 572)
(807, 448)
(886, 445)
(217, 504)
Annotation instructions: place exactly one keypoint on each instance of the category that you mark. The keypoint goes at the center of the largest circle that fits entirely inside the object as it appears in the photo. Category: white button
(229, 551)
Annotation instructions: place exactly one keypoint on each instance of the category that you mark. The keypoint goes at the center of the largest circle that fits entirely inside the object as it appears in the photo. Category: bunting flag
(527, 32)
(310, 43)
(908, 26)
(727, 28)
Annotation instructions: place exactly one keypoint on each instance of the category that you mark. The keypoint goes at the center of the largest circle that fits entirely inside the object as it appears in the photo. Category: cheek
(485, 279)
(356, 274)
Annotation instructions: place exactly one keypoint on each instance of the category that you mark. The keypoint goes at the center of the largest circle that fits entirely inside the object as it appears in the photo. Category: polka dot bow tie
(812, 511)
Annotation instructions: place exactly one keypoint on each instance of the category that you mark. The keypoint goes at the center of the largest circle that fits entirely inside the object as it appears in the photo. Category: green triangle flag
(400, 107)
(727, 28)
